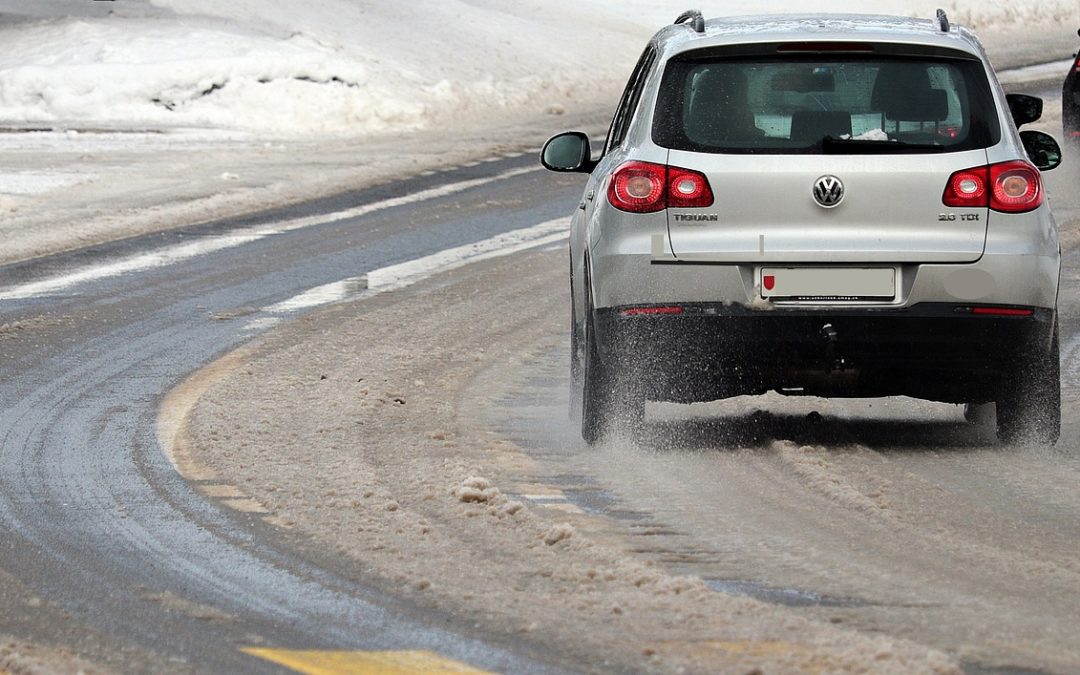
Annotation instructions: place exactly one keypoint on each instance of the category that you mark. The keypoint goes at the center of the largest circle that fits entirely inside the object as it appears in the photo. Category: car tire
(610, 403)
(596, 394)
(1029, 409)
(577, 360)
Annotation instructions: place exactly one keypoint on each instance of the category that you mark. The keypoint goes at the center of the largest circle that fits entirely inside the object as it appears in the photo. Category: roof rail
(943, 21)
(697, 22)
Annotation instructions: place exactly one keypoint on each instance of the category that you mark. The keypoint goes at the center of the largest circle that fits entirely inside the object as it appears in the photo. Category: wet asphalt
(97, 527)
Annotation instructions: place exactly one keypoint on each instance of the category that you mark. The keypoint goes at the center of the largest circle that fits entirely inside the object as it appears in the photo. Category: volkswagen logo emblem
(828, 191)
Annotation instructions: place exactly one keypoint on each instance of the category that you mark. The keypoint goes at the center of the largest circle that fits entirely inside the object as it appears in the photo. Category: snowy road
(107, 551)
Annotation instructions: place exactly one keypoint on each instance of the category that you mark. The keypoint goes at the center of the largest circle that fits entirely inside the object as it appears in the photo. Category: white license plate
(829, 284)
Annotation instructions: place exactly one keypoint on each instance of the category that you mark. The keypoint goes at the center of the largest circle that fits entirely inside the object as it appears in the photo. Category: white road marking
(180, 252)
(265, 323)
(143, 261)
(407, 273)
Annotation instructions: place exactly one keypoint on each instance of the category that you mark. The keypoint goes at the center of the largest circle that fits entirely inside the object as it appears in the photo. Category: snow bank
(160, 74)
(358, 67)
(325, 67)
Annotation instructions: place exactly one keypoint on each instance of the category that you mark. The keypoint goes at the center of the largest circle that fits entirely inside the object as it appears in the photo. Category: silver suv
(816, 205)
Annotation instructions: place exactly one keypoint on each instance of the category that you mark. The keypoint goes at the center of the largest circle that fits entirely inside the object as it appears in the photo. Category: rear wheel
(610, 403)
(596, 394)
(1029, 408)
(577, 359)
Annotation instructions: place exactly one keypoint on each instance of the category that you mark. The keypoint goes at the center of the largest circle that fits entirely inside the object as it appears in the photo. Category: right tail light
(1008, 187)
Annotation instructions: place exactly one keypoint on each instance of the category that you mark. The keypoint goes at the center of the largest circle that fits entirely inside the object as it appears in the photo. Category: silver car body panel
(767, 213)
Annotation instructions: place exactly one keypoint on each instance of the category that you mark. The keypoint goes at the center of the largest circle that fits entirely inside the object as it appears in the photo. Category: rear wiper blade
(856, 146)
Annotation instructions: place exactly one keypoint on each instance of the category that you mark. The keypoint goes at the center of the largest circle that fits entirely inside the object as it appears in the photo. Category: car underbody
(934, 351)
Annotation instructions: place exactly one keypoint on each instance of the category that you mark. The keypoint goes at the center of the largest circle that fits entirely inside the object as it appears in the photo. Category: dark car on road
(1070, 104)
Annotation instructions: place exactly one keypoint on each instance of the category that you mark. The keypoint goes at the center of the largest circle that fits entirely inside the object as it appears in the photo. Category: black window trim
(631, 97)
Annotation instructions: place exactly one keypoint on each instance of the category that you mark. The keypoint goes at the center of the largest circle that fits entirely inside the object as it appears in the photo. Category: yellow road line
(362, 663)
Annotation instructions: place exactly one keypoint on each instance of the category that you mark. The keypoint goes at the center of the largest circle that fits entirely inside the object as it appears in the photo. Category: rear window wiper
(831, 145)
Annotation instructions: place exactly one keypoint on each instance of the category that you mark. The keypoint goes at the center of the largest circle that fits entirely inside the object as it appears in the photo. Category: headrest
(719, 112)
(721, 87)
(903, 92)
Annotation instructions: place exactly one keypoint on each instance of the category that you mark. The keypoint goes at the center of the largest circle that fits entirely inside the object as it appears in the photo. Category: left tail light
(644, 187)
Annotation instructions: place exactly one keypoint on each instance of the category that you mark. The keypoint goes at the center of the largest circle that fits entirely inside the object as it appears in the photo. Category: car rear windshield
(845, 104)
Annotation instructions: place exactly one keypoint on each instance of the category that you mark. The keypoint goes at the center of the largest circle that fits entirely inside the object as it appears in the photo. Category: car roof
(874, 28)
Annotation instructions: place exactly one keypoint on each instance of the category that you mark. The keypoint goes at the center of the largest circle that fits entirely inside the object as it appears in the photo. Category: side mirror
(1025, 109)
(568, 152)
(1043, 151)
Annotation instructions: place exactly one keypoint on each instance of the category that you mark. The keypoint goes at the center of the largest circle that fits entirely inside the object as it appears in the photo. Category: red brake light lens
(1001, 311)
(638, 187)
(968, 188)
(644, 187)
(1017, 187)
(1008, 187)
(688, 189)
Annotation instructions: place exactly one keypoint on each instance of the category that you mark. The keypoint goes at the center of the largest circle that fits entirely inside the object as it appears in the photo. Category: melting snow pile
(478, 490)
(150, 73)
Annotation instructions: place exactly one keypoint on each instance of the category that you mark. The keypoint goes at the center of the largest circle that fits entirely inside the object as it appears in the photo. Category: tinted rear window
(834, 104)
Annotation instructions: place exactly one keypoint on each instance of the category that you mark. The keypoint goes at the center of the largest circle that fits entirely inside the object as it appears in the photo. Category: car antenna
(943, 20)
(697, 22)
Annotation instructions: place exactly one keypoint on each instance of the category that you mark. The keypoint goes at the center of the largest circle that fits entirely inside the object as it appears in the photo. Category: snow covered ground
(355, 67)
(136, 115)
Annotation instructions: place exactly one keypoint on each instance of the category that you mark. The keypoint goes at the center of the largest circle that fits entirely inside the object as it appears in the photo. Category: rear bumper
(934, 350)
(1013, 275)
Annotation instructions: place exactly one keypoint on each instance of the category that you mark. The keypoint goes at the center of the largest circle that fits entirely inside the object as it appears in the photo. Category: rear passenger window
(630, 98)
(824, 105)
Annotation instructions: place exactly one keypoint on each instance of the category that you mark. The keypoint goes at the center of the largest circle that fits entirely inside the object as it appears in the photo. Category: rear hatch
(890, 210)
(829, 153)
